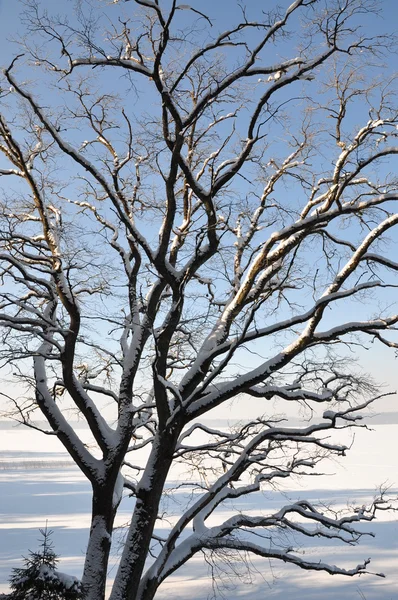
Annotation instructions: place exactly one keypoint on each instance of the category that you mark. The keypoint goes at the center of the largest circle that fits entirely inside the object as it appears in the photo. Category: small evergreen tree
(39, 579)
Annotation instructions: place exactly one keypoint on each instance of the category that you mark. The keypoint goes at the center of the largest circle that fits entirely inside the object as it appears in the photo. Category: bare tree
(193, 218)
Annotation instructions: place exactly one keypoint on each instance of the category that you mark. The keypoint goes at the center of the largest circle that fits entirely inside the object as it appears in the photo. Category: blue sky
(219, 11)
(380, 361)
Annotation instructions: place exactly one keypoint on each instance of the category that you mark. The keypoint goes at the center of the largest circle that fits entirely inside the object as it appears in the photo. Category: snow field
(39, 484)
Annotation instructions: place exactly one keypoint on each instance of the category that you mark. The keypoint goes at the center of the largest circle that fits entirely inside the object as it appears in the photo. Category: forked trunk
(144, 518)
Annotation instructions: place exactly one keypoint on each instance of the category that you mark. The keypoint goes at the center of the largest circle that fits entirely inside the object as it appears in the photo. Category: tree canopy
(198, 208)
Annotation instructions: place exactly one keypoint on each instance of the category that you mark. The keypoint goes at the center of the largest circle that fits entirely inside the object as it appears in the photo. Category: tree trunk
(144, 518)
(99, 545)
(148, 590)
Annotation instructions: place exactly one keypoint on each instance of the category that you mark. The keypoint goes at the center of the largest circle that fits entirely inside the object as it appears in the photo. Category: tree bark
(139, 537)
(99, 545)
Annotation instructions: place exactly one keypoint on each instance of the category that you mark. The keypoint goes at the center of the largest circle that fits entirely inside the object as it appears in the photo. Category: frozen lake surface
(39, 485)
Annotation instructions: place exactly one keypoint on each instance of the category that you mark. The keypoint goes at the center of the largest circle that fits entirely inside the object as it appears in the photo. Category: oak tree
(196, 209)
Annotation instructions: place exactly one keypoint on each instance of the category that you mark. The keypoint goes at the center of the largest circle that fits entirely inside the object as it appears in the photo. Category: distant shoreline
(386, 418)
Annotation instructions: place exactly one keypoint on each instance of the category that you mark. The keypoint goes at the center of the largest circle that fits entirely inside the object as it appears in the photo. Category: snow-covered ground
(38, 485)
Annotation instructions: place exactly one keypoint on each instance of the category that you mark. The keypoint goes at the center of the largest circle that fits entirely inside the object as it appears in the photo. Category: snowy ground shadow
(29, 498)
(276, 581)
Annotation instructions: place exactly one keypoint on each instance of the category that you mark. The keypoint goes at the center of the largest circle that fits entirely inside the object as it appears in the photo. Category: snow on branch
(194, 233)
